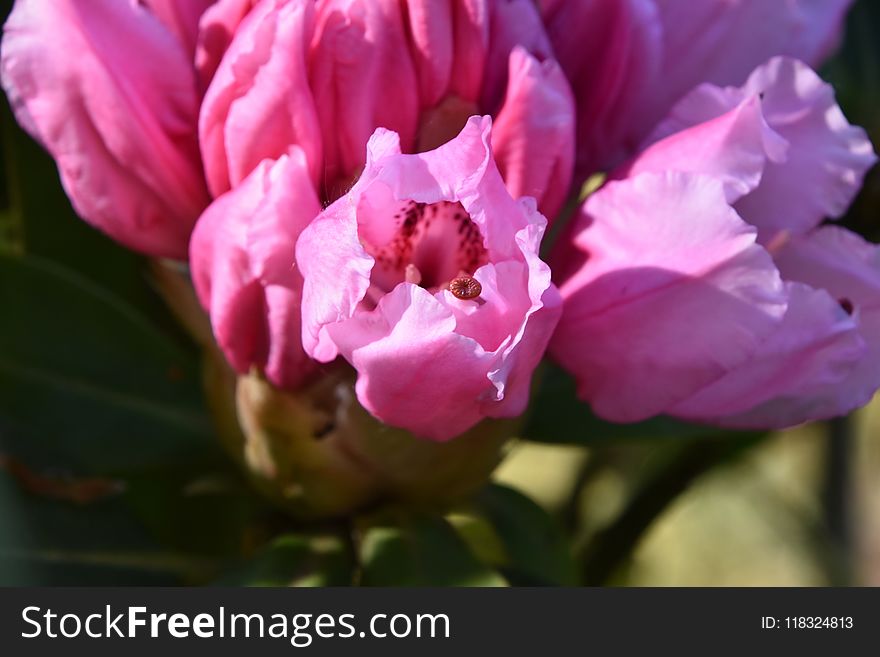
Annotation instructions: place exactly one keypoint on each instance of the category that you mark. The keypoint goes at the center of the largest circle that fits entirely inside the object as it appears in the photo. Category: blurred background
(110, 473)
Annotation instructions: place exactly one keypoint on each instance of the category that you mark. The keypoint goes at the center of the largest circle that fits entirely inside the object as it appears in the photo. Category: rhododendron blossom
(426, 278)
(672, 306)
(369, 182)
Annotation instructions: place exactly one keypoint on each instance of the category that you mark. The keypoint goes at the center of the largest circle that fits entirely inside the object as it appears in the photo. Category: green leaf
(559, 417)
(297, 560)
(421, 551)
(89, 387)
(46, 542)
(536, 550)
(87, 382)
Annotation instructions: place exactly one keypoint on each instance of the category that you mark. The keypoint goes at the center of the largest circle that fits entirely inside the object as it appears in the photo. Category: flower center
(434, 245)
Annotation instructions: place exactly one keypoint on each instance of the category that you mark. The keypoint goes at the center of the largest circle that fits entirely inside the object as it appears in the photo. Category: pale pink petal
(802, 371)
(734, 147)
(665, 291)
(821, 170)
(259, 103)
(112, 96)
(533, 137)
(848, 267)
(408, 354)
(336, 269)
(837, 260)
(243, 268)
(827, 158)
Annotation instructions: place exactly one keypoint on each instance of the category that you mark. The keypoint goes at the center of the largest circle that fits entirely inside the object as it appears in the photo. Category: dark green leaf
(423, 551)
(559, 417)
(47, 542)
(535, 548)
(87, 382)
(297, 560)
(89, 387)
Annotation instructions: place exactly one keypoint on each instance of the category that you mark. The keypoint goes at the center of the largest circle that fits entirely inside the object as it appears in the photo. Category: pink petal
(610, 51)
(720, 42)
(803, 371)
(733, 147)
(408, 354)
(182, 18)
(827, 158)
(259, 103)
(471, 34)
(432, 31)
(111, 95)
(533, 136)
(362, 76)
(514, 23)
(821, 170)
(848, 267)
(242, 261)
(217, 26)
(665, 291)
(466, 360)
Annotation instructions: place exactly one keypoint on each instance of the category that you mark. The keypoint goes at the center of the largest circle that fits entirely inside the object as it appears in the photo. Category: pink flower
(672, 305)
(325, 75)
(815, 160)
(110, 93)
(425, 276)
(322, 76)
(241, 257)
(630, 61)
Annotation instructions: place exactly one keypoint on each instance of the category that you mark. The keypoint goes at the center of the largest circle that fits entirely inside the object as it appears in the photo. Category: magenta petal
(217, 27)
(242, 262)
(665, 291)
(259, 103)
(113, 100)
(610, 51)
(471, 33)
(182, 18)
(432, 30)
(362, 76)
(514, 24)
(802, 371)
(534, 131)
